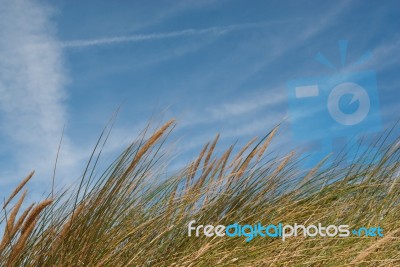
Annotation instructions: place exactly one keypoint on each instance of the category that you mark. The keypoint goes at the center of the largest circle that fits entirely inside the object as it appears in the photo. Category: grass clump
(132, 216)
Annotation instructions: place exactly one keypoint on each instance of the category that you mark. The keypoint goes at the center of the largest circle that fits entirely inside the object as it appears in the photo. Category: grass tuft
(132, 216)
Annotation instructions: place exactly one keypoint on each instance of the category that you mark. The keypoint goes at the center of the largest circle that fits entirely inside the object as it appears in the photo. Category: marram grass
(133, 216)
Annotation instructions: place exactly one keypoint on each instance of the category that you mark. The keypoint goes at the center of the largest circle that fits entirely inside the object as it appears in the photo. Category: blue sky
(216, 66)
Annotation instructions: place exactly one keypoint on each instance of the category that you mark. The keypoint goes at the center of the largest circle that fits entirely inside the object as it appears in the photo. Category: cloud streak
(32, 95)
(160, 36)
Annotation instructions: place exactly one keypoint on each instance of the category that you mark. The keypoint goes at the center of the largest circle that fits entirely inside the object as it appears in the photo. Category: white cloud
(230, 110)
(32, 95)
(243, 106)
(159, 36)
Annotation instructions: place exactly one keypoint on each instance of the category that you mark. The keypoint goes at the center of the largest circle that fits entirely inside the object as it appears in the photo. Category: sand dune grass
(133, 216)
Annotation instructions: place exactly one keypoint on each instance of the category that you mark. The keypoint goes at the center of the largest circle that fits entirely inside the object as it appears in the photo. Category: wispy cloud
(272, 95)
(32, 95)
(235, 108)
(219, 30)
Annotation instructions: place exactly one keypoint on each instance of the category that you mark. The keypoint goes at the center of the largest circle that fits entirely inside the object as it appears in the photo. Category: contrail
(157, 36)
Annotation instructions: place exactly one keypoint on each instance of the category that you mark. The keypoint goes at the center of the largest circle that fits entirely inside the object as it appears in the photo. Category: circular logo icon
(358, 93)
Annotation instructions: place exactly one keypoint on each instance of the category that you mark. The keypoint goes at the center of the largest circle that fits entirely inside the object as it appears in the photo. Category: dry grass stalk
(283, 163)
(18, 188)
(194, 167)
(152, 140)
(240, 153)
(19, 246)
(225, 158)
(245, 164)
(374, 247)
(67, 225)
(266, 144)
(148, 226)
(14, 212)
(210, 151)
(22, 218)
(314, 170)
(12, 229)
(34, 214)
